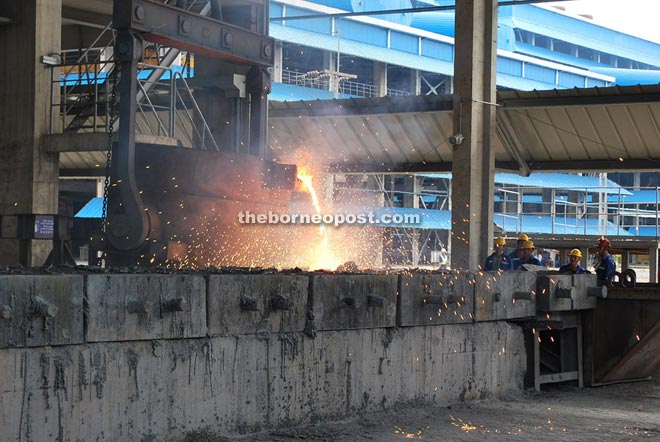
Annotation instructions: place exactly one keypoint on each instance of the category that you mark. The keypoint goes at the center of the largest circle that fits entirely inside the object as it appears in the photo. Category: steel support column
(474, 122)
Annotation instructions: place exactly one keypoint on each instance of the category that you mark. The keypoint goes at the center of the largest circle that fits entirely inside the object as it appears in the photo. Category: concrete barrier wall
(164, 385)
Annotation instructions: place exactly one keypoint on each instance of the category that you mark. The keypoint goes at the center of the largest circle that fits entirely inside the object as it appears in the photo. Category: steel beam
(579, 100)
(649, 293)
(174, 27)
(128, 224)
(85, 18)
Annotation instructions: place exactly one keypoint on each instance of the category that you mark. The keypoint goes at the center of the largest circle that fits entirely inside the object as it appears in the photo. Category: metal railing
(184, 119)
(167, 106)
(580, 211)
(316, 80)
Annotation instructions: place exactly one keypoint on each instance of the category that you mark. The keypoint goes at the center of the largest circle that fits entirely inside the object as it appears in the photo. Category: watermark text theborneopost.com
(334, 219)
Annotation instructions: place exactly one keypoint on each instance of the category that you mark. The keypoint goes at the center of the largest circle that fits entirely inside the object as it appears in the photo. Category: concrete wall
(141, 388)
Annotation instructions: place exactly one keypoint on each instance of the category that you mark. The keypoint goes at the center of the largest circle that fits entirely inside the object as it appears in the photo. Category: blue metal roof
(93, 209)
(561, 225)
(560, 181)
(580, 32)
(645, 231)
(550, 181)
(430, 218)
(73, 79)
(290, 92)
(648, 196)
(630, 77)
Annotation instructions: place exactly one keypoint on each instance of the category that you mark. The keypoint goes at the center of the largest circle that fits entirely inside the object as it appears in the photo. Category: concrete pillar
(380, 78)
(330, 64)
(277, 65)
(411, 199)
(625, 260)
(415, 82)
(474, 117)
(28, 175)
(653, 265)
(586, 259)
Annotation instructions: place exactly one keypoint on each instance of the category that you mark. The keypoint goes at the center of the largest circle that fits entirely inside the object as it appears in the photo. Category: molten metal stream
(324, 258)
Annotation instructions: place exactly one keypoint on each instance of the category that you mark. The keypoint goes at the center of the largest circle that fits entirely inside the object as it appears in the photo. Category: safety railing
(183, 117)
(580, 211)
(166, 107)
(318, 80)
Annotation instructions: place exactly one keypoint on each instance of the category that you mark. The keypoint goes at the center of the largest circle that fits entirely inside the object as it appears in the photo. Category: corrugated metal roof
(558, 130)
(83, 160)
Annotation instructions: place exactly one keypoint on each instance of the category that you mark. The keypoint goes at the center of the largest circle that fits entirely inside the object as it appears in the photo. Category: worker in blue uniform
(521, 240)
(498, 260)
(606, 265)
(526, 256)
(573, 265)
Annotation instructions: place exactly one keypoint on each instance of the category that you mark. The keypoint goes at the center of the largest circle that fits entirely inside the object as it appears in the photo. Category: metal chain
(111, 122)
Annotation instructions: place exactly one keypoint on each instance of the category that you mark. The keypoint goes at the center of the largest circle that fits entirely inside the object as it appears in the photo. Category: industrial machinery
(157, 194)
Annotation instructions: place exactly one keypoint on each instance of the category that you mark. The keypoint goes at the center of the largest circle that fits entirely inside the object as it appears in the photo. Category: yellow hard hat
(575, 252)
(500, 241)
(523, 237)
(528, 245)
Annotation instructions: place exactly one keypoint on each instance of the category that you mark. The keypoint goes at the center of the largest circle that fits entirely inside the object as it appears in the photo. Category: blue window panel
(540, 73)
(320, 25)
(403, 42)
(591, 82)
(509, 66)
(362, 32)
(275, 10)
(569, 80)
(437, 49)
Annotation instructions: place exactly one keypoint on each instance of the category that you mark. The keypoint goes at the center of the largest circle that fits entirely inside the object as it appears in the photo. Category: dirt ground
(622, 412)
